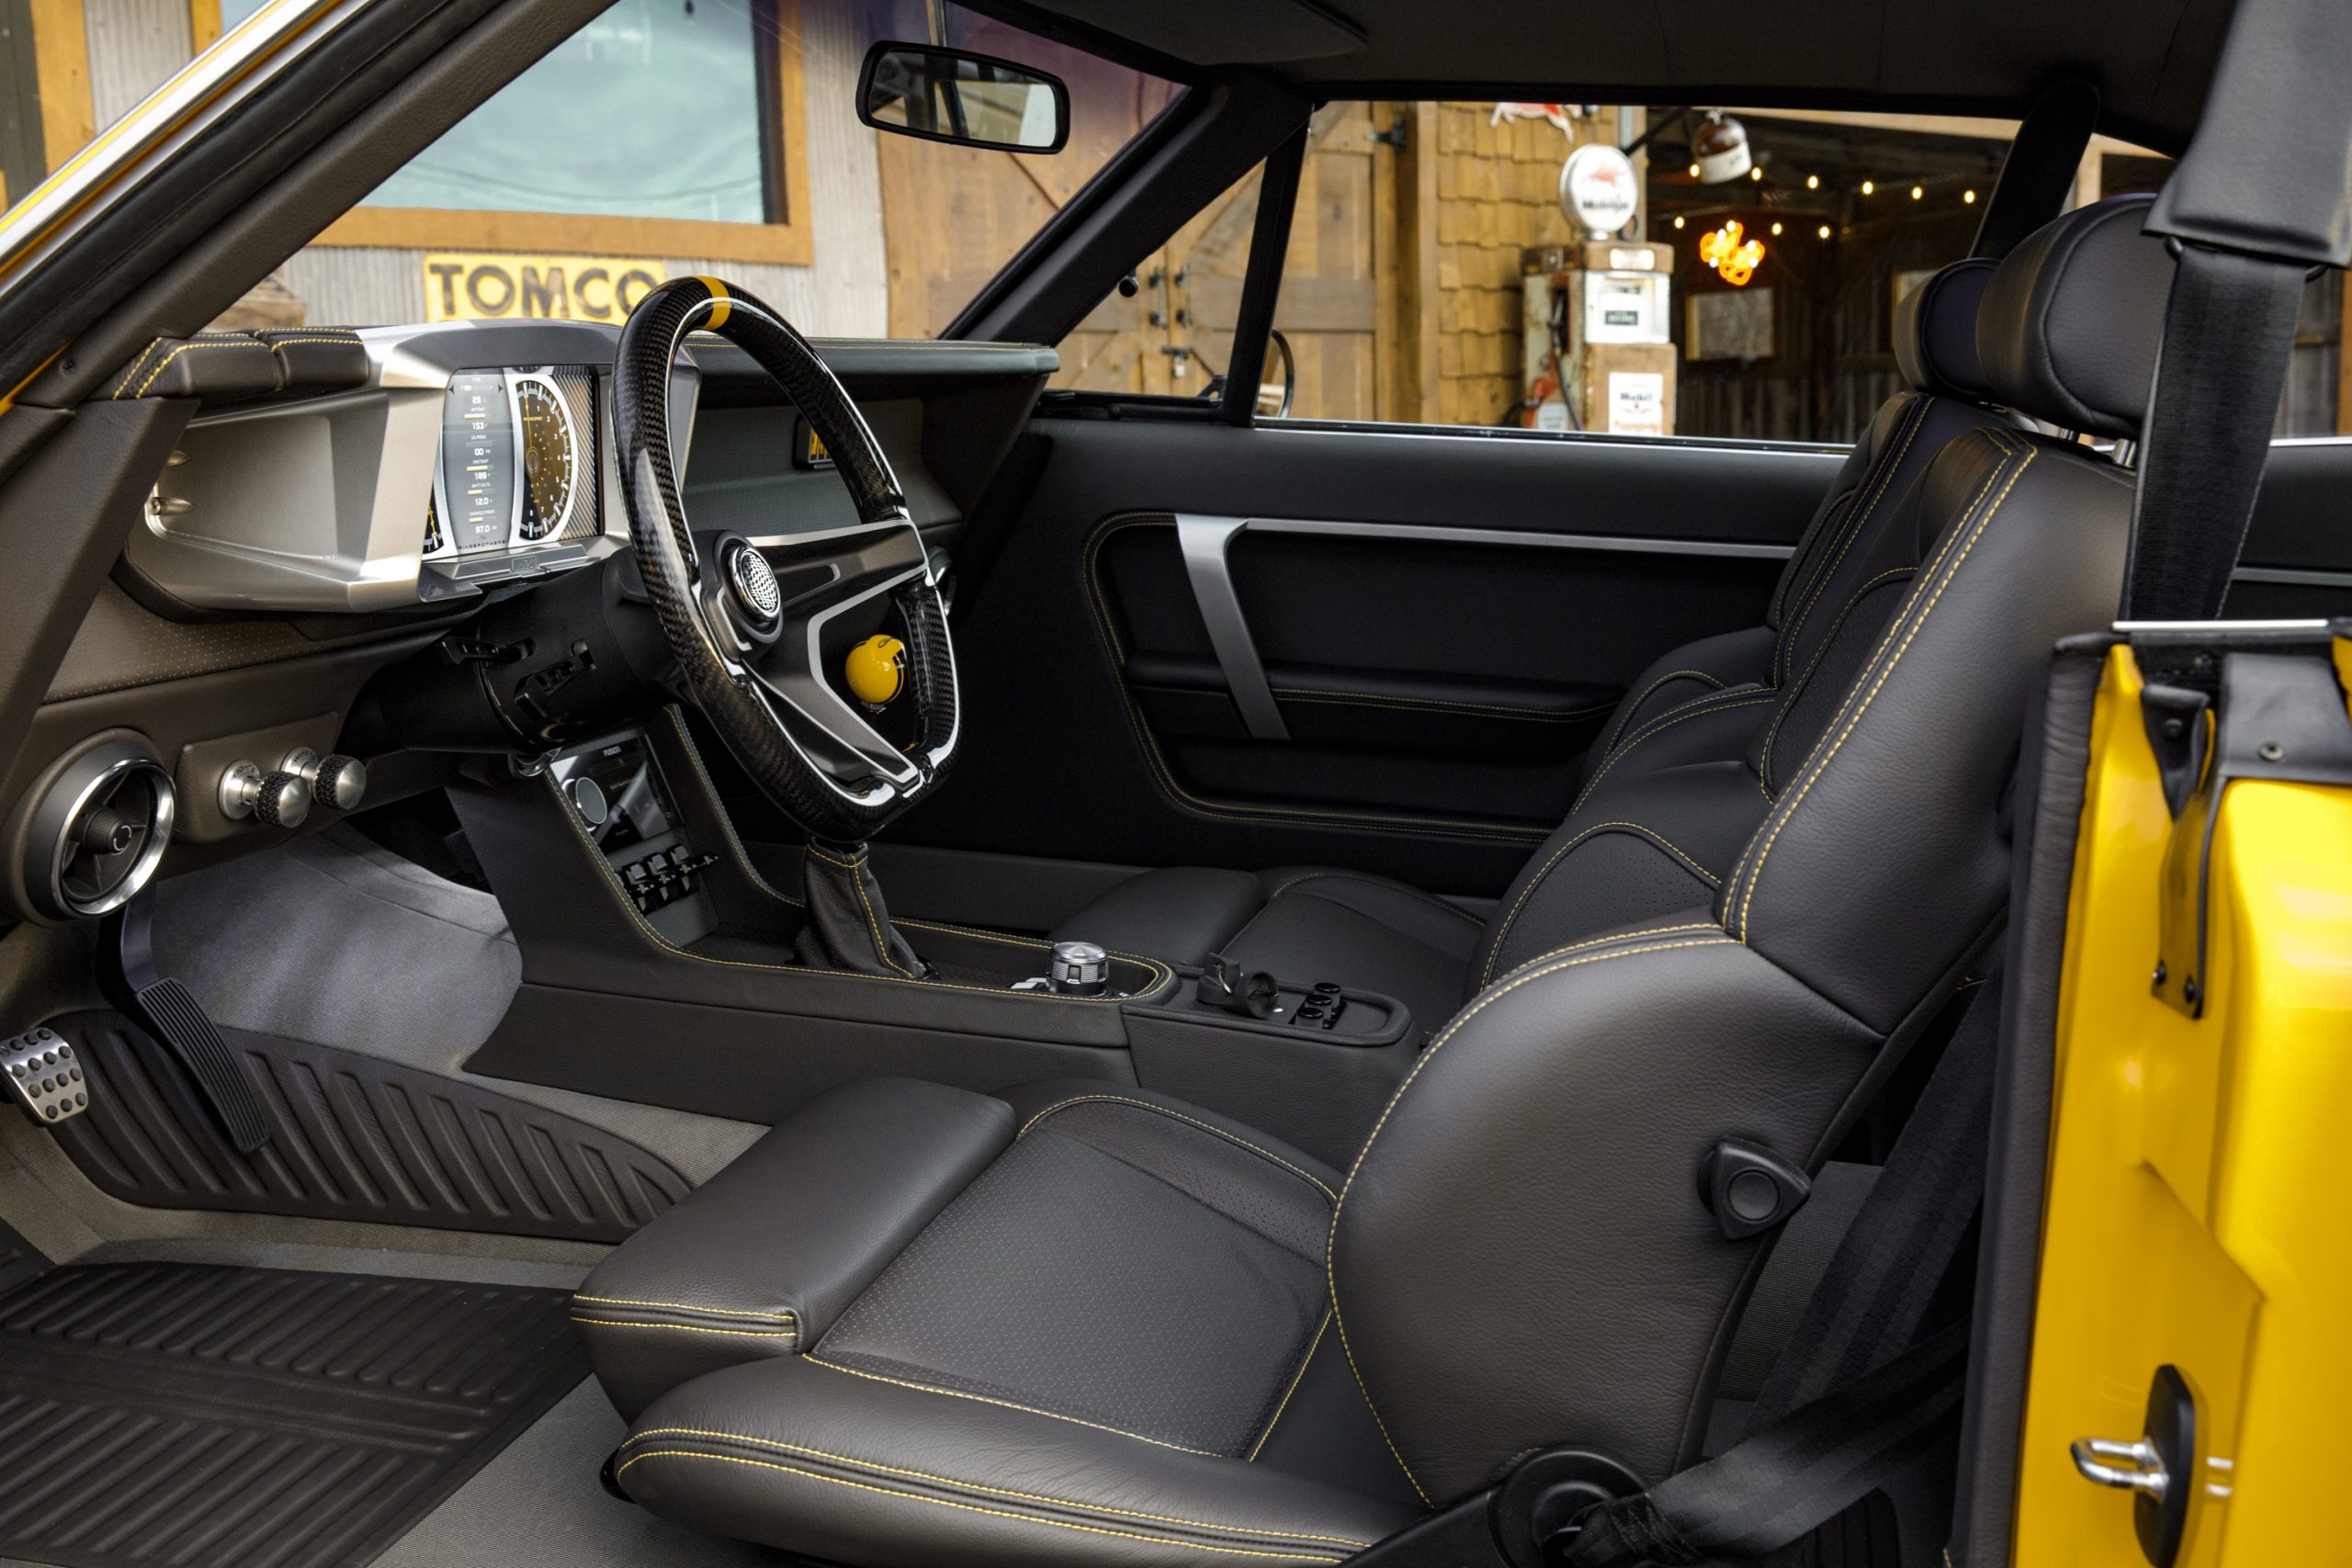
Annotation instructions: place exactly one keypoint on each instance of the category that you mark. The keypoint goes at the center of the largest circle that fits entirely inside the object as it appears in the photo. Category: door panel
(1434, 673)
(2298, 555)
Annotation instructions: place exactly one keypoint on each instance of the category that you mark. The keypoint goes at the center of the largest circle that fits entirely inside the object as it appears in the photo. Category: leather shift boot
(848, 925)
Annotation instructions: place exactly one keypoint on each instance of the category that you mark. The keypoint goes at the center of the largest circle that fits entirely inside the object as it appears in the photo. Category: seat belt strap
(2229, 331)
(1773, 1487)
(1888, 1265)
(1851, 1399)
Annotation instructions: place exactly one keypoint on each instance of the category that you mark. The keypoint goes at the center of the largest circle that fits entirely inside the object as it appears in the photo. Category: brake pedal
(41, 1067)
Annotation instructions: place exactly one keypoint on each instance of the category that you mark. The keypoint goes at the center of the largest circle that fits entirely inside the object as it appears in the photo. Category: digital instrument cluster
(516, 481)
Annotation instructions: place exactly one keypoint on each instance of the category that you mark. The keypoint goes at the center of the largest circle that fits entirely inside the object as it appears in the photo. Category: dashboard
(468, 459)
(297, 543)
(480, 455)
(517, 467)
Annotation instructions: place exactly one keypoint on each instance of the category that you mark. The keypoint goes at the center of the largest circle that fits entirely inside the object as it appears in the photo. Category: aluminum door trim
(2295, 577)
(1438, 534)
(1203, 542)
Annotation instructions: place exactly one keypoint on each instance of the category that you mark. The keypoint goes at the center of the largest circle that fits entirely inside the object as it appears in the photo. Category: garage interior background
(1402, 297)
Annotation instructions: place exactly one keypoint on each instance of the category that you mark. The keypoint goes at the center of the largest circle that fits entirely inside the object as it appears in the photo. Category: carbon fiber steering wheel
(755, 642)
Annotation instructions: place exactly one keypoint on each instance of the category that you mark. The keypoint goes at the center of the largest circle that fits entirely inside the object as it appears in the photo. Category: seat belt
(2229, 331)
(1852, 1399)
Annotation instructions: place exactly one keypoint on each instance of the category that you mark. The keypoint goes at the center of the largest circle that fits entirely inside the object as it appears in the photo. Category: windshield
(666, 137)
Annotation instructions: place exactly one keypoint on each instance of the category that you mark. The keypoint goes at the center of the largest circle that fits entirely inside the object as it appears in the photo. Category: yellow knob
(876, 668)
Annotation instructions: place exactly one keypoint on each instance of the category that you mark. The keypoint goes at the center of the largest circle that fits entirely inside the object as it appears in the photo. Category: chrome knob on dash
(279, 800)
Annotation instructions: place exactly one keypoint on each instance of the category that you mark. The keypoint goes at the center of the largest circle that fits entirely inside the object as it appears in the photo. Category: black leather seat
(1688, 765)
(1083, 1323)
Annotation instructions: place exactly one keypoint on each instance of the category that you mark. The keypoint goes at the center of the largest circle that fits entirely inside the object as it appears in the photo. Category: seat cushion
(762, 1258)
(1298, 923)
(1113, 1333)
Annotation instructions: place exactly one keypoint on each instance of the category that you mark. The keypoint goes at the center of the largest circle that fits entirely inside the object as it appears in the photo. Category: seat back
(1709, 736)
(1520, 1257)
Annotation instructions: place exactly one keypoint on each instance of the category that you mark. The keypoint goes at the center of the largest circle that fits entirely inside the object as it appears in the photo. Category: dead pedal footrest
(42, 1067)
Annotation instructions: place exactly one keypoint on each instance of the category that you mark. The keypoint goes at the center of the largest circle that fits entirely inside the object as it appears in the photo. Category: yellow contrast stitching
(689, 1306)
(135, 367)
(975, 1508)
(1502, 935)
(1297, 1377)
(1821, 650)
(1331, 1242)
(1748, 893)
(1862, 518)
(165, 363)
(1178, 1115)
(816, 1360)
(1613, 936)
(689, 1329)
(1694, 708)
(872, 922)
(783, 1447)
(1786, 586)
(1184, 800)
(1647, 691)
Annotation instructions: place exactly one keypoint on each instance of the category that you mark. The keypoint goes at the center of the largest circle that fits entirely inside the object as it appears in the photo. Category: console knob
(340, 783)
(281, 800)
(1079, 969)
(587, 798)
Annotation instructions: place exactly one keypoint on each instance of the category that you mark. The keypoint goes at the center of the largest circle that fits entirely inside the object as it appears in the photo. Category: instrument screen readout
(477, 460)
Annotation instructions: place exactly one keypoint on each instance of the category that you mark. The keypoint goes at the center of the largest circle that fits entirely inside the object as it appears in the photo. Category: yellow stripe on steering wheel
(720, 309)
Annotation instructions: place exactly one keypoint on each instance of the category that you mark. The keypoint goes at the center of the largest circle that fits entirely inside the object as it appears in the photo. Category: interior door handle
(1204, 542)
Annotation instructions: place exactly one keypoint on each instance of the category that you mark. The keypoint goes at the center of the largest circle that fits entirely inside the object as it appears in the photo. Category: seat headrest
(1935, 331)
(2070, 323)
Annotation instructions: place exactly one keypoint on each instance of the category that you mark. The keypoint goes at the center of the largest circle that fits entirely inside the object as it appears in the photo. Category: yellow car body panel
(2197, 1212)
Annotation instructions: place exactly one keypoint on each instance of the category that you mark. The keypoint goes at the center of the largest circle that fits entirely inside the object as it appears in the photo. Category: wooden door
(1177, 333)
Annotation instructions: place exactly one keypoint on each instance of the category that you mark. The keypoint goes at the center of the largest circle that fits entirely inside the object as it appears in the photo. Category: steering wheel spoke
(765, 626)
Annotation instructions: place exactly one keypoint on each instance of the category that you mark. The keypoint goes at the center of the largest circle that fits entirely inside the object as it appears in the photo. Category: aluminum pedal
(46, 1074)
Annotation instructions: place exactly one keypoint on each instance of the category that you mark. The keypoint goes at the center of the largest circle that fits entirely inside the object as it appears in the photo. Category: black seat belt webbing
(2229, 331)
(1851, 1399)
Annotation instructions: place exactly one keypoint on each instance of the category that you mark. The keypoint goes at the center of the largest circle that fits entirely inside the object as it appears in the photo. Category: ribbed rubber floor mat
(351, 1138)
(197, 1415)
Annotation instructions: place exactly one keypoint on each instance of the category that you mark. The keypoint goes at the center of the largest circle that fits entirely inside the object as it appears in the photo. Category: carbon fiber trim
(737, 706)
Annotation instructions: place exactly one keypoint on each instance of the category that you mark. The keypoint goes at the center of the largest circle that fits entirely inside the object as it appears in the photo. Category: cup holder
(99, 831)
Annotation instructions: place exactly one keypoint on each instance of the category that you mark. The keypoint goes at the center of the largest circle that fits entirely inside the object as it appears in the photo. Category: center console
(659, 966)
(616, 788)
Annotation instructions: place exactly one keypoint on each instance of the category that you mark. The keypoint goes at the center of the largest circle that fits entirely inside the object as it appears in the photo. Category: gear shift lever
(848, 925)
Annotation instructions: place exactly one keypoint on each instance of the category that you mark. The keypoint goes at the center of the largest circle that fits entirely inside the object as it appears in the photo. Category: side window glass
(1730, 273)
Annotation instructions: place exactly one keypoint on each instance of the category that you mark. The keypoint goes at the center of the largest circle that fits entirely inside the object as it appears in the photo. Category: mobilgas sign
(461, 286)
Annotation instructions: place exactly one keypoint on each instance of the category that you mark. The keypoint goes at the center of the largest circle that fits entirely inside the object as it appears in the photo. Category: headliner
(2150, 59)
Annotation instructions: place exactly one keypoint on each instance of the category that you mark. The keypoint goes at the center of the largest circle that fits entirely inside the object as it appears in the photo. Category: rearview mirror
(952, 95)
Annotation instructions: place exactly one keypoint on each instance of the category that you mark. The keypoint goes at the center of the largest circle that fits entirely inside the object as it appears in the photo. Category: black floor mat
(196, 1416)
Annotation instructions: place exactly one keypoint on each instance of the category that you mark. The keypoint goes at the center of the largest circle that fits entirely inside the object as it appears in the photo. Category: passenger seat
(1686, 768)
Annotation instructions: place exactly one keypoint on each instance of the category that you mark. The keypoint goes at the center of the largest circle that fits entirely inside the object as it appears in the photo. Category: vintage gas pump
(1599, 353)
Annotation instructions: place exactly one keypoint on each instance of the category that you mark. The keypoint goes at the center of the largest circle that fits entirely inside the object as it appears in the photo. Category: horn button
(752, 590)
